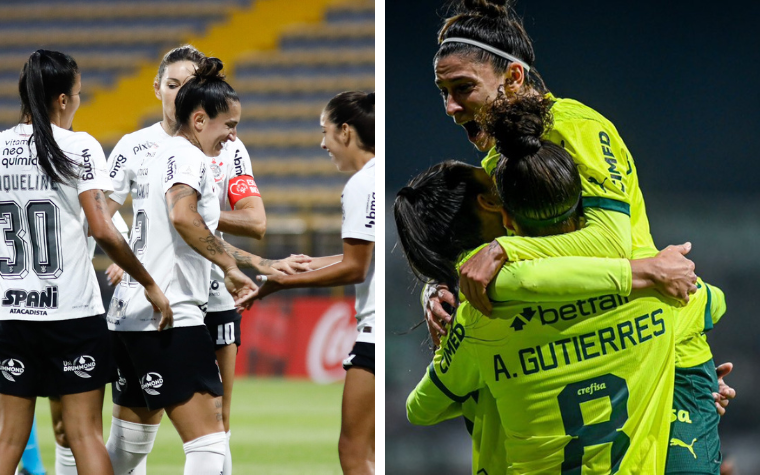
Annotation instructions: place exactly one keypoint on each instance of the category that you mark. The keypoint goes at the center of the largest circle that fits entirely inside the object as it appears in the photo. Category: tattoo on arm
(176, 193)
(242, 258)
(213, 244)
(266, 262)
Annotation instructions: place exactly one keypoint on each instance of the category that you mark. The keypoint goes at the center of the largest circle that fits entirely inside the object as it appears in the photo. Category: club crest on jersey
(217, 170)
(150, 382)
(80, 366)
(31, 299)
(10, 368)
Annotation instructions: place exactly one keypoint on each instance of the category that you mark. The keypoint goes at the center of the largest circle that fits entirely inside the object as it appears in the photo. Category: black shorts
(224, 327)
(160, 369)
(361, 356)
(55, 358)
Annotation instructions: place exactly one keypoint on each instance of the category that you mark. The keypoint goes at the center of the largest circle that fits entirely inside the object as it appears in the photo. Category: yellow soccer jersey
(570, 389)
(610, 188)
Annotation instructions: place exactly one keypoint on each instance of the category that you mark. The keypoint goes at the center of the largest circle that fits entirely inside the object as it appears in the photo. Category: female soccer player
(176, 213)
(540, 189)
(484, 48)
(348, 125)
(50, 294)
(242, 209)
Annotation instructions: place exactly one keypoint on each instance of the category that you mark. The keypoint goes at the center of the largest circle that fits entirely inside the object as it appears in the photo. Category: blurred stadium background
(286, 59)
(680, 83)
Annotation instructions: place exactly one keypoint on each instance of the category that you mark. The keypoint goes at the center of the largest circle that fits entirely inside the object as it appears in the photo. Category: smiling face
(174, 77)
(333, 141)
(212, 134)
(466, 86)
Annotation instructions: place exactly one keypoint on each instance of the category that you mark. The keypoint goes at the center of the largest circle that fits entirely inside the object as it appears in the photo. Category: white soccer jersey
(358, 201)
(45, 270)
(234, 161)
(180, 272)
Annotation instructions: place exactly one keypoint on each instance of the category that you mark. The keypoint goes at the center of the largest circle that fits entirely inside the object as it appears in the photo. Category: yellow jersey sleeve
(448, 382)
(561, 279)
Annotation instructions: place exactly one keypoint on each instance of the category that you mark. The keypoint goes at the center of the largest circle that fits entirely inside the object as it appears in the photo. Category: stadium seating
(285, 72)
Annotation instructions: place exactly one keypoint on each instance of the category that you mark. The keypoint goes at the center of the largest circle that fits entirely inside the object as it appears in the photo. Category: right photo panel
(572, 242)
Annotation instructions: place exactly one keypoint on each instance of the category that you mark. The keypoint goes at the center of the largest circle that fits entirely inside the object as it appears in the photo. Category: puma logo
(680, 443)
(594, 181)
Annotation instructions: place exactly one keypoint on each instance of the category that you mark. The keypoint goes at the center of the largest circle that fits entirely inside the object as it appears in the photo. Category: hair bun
(209, 69)
(488, 8)
(371, 98)
(517, 123)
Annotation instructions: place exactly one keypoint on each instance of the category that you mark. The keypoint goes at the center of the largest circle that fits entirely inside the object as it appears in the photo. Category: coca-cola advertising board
(297, 337)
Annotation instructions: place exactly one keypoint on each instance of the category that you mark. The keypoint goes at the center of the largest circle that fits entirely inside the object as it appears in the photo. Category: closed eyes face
(220, 130)
(466, 86)
(175, 75)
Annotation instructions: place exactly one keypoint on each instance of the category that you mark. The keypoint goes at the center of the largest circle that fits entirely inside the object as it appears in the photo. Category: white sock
(205, 455)
(228, 458)
(129, 445)
(64, 461)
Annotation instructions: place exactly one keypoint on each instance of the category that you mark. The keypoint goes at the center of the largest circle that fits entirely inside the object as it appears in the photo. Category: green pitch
(278, 427)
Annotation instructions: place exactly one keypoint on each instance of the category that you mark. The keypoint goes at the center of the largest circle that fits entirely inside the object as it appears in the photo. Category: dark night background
(679, 81)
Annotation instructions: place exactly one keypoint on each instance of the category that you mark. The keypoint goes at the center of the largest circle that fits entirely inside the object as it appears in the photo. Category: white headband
(490, 49)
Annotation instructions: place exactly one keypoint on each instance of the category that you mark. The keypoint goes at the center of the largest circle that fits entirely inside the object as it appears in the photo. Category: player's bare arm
(247, 219)
(352, 269)
(182, 204)
(112, 242)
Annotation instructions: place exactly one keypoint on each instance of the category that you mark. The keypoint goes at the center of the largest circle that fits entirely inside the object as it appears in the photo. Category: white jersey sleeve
(127, 156)
(93, 174)
(358, 201)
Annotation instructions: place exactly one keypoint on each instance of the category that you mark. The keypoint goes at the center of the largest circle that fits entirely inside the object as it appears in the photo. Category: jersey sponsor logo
(12, 157)
(150, 382)
(244, 187)
(171, 170)
(594, 181)
(142, 146)
(217, 170)
(121, 383)
(238, 162)
(680, 415)
(612, 164)
(214, 288)
(455, 338)
(582, 308)
(370, 213)
(80, 366)
(679, 443)
(10, 368)
(87, 173)
(117, 308)
(117, 164)
(204, 308)
(26, 183)
(47, 298)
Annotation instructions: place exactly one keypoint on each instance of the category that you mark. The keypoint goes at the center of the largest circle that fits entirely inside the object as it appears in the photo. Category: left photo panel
(187, 200)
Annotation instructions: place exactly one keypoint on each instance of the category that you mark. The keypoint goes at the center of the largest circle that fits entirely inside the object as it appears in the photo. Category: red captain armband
(241, 187)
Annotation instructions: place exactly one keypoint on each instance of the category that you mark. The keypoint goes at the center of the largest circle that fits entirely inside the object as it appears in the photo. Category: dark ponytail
(436, 220)
(494, 23)
(206, 88)
(537, 180)
(357, 109)
(44, 77)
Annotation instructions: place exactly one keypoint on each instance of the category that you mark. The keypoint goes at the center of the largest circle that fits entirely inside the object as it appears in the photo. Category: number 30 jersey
(44, 266)
(179, 271)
